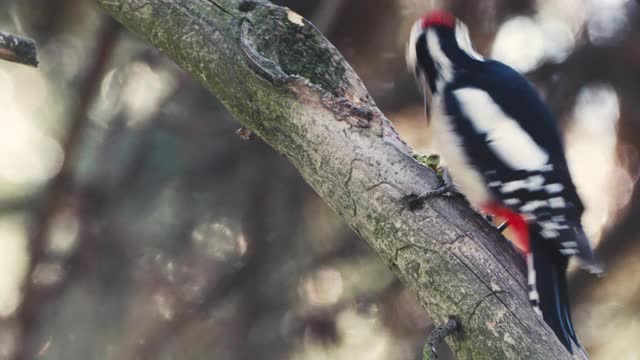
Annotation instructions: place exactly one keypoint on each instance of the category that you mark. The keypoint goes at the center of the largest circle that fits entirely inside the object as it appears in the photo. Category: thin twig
(18, 49)
(430, 351)
(59, 189)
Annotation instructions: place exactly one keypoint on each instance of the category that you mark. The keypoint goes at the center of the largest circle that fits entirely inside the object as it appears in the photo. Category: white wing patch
(505, 137)
(533, 205)
(532, 183)
(557, 202)
(554, 188)
(449, 146)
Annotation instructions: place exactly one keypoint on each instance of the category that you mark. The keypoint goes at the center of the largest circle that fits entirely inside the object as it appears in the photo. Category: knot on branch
(430, 351)
(285, 48)
(281, 46)
(247, 6)
(262, 65)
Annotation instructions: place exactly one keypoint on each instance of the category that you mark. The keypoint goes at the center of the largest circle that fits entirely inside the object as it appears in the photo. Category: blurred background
(136, 224)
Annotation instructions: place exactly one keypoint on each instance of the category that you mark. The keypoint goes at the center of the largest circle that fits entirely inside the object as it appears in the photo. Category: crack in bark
(490, 289)
(139, 7)
(484, 298)
(223, 9)
(376, 185)
(465, 296)
(347, 183)
(414, 266)
(464, 234)
(398, 250)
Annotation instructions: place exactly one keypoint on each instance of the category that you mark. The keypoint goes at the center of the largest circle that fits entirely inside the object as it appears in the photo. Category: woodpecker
(503, 148)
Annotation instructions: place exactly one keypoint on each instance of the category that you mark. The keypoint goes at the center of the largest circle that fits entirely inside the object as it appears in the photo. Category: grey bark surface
(284, 81)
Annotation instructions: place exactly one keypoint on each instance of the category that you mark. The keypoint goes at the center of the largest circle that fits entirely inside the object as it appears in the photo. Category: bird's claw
(416, 202)
(501, 228)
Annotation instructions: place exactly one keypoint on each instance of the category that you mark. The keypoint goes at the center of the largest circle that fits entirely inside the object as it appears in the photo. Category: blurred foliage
(136, 224)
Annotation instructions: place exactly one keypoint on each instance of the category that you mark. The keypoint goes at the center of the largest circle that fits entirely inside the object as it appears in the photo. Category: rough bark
(283, 80)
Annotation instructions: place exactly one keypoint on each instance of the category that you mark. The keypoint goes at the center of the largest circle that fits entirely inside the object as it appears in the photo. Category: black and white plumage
(504, 150)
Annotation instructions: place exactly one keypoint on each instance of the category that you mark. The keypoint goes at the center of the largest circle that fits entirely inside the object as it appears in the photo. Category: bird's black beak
(426, 91)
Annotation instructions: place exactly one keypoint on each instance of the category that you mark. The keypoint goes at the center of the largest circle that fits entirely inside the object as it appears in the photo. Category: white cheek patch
(509, 142)
(440, 60)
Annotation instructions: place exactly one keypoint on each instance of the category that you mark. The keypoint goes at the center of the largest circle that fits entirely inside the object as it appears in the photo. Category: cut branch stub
(18, 49)
(288, 50)
(287, 47)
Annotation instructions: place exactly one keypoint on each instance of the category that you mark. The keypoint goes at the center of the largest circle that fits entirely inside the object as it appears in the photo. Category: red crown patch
(438, 18)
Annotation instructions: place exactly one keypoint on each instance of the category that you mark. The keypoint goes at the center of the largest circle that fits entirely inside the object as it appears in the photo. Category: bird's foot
(430, 350)
(501, 228)
(416, 202)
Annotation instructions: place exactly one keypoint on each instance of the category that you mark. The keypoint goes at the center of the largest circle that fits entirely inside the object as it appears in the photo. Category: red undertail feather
(516, 222)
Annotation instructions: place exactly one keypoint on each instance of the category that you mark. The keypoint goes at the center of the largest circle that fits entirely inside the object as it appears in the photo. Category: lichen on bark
(293, 89)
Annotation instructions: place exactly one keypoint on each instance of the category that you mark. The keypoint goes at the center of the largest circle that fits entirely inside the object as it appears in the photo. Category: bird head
(438, 46)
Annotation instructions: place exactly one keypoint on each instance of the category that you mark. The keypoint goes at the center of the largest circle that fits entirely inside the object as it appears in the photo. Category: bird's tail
(588, 260)
(548, 289)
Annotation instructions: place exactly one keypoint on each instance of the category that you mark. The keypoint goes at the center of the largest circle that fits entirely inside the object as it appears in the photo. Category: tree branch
(283, 80)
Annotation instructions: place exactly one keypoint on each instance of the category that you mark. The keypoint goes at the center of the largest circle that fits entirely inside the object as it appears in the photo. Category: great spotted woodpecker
(503, 148)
